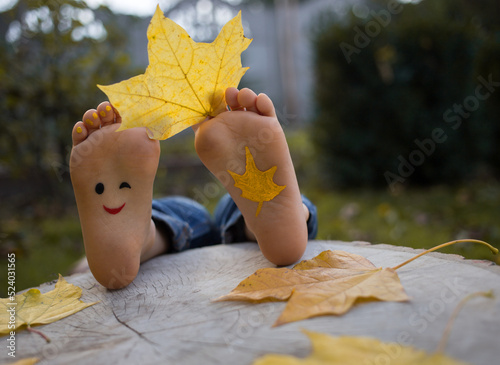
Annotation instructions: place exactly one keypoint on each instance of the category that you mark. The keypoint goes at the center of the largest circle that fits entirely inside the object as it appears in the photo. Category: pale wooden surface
(166, 315)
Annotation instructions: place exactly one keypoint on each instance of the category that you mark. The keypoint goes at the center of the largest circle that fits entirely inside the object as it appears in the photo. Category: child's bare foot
(280, 227)
(112, 175)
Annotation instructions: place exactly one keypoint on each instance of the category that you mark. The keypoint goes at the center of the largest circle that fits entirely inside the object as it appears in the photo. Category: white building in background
(281, 55)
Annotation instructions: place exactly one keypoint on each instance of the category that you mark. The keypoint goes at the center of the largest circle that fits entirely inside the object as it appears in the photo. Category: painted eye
(99, 188)
(125, 185)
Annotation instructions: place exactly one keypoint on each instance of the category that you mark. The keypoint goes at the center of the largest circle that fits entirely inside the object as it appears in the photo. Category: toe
(247, 99)
(91, 120)
(232, 98)
(265, 105)
(106, 113)
(79, 133)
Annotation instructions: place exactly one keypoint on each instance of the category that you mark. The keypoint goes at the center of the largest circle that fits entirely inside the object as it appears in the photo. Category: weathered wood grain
(166, 315)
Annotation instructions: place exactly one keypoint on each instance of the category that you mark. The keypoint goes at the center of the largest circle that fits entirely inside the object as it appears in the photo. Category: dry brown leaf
(331, 283)
(341, 260)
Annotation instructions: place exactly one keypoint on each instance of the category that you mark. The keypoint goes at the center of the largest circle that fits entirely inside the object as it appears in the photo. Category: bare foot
(112, 175)
(280, 227)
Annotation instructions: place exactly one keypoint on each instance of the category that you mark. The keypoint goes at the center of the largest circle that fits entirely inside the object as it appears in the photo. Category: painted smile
(113, 210)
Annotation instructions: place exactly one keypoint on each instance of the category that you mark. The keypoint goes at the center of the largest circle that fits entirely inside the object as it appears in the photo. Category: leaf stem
(458, 308)
(30, 329)
(259, 208)
(493, 249)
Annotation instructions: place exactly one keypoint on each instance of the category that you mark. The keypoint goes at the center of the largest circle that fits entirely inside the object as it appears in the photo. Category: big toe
(106, 113)
(247, 99)
(265, 105)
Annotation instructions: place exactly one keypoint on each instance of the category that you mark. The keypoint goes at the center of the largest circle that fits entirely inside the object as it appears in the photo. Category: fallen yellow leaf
(27, 361)
(331, 283)
(184, 82)
(34, 308)
(256, 185)
(340, 260)
(347, 350)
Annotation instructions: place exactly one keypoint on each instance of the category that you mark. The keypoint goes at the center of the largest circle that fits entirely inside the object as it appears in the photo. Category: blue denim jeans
(189, 225)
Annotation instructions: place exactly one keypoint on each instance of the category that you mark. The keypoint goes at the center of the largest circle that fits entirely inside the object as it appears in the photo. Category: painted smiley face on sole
(99, 189)
(113, 210)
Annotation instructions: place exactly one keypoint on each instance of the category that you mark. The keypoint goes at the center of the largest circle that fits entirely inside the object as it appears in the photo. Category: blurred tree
(52, 55)
(396, 93)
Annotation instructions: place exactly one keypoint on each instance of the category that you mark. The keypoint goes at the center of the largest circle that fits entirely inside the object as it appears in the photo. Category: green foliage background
(387, 79)
(48, 78)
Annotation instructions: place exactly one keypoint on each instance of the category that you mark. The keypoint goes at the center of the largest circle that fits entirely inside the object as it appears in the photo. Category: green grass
(43, 247)
(419, 218)
(416, 217)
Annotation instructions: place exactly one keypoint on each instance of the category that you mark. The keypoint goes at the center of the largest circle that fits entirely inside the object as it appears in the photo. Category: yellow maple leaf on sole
(185, 81)
(256, 185)
(34, 308)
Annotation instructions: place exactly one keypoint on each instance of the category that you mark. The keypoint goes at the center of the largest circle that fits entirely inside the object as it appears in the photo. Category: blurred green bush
(408, 93)
(52, 55)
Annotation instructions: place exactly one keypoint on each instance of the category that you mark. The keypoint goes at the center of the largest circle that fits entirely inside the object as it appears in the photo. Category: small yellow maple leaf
(185, 80)
(256, 185)
(331, 283)
(34, 308)
(348, 350)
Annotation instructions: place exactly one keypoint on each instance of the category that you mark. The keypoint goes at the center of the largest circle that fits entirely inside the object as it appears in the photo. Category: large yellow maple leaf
(185, 80)
(256, 185)
(34, 308)
(349, 350)
(330, 283)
